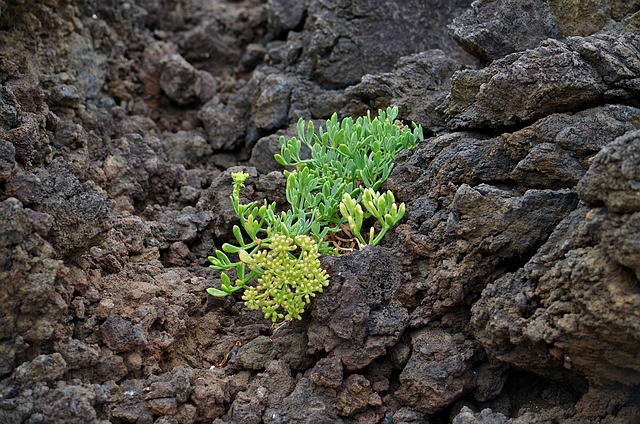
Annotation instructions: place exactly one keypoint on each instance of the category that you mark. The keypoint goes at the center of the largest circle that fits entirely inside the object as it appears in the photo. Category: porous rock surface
(510, 292)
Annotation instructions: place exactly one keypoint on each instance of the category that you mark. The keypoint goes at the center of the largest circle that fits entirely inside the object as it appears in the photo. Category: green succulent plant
(334, 207)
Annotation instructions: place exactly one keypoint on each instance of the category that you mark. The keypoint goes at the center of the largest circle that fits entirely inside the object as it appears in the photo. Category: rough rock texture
(375, 32)
(183, 83)
(33, 298)
(613, 177)
(508, 294)
(417, 86)
(437, 372)
(590, 279)
(585, 18)
(358, 318)
(79, 217)
(491, 29)
(523, 87)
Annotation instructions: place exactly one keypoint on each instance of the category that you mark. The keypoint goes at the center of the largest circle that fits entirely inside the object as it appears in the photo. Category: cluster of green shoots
(334, 208)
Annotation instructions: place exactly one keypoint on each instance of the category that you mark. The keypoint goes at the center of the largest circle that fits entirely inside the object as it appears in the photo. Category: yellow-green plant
(333, 197)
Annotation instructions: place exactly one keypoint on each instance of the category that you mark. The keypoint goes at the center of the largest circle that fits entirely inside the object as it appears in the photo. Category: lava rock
(357, 318)
(7, 161)
(492, 29)
(437, 373)
(428, 74)
(41, 368)
(183, 83)
(560, 76)
(120, 335)
(613, 178)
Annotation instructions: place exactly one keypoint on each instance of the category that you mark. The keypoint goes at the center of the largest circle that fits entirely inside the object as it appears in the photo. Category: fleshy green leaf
(230, 248)
(217, 293)
(278, 157)
(344, 150)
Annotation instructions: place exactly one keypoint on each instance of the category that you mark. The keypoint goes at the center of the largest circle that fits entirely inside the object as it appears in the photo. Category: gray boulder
(358, 318)
(555, 77)
(438, 371)
(348, 40)
(550, 315)
(491, 29)
(575, 17)
(418, 85)
(183, 83)
(80, 217)
(614, 178)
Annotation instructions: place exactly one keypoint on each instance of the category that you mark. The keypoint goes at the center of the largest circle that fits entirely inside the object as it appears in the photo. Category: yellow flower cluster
(291, 276)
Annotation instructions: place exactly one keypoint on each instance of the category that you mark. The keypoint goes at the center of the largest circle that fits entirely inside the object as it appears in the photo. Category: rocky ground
(509, 294)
